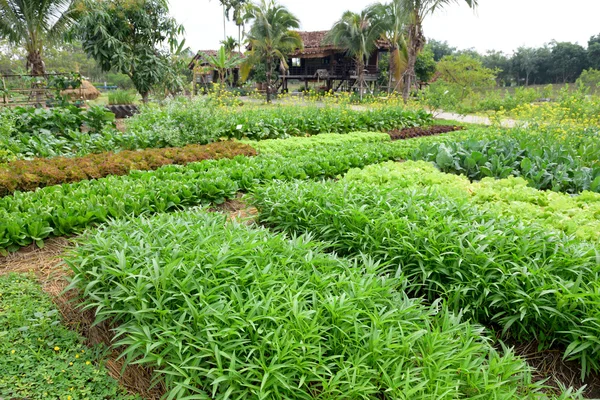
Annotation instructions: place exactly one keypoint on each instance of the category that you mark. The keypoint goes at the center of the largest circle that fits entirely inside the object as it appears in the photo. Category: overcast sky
(497, 24)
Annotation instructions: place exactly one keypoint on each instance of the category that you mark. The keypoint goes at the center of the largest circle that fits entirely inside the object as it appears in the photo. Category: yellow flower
(87, 363)
(13, 351)
(76, 355)
(56, 348)
(70, 363)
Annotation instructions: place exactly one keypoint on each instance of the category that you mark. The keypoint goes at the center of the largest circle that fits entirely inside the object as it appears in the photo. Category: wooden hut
(319, 61)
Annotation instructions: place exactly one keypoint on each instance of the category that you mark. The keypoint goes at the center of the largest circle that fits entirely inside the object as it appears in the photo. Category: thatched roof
(200, 57)
(315, 45)
(86, 91)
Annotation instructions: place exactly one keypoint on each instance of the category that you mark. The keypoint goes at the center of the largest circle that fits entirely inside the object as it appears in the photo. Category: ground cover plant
(26, 175)
(222, 310)
(69, 208)
(39, 357)
(546, 160)
(523, 280)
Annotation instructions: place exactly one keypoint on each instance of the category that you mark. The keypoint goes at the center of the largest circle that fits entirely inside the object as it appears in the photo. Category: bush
(238, 312)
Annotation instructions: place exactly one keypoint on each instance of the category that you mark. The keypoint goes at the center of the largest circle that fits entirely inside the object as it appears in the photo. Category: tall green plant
(357, 34)
(270, 37)
(33, 24)
(417, 11)
(222, 62)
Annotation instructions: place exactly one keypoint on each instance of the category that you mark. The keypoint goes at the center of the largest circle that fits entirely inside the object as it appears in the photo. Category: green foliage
(183, 121)
(126, 35)
(425, 66)
(39, 357)
(466, 73)
(543, 162)
(270, 317)
(579, 215)
(121, 97)
(42, 172)
(61, 210)
(530, 282)
(590, 79)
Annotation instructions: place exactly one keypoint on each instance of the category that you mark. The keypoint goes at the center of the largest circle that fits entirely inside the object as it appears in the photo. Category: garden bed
(415, 132)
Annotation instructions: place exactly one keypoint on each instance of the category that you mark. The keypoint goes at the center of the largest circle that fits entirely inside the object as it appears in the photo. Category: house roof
(315, 46)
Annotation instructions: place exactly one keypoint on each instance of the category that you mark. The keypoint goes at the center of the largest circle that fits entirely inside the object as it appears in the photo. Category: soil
(409, 133)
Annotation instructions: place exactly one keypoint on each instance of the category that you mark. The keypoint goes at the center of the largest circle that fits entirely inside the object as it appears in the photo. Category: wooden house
(319, 61)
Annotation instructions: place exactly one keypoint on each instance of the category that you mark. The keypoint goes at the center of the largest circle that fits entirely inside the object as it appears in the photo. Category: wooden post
(4, 90)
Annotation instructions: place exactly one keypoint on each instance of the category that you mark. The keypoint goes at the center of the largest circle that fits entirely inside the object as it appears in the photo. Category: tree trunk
(269, 62)
(145, 97)
(392, 69)
(416, 42)
(35, 64)
(360, 68)
(240, 39)
(527, 79)
(224, 24)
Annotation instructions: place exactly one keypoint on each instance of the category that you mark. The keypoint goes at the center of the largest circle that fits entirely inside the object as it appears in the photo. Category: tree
(425, 66)
(128, 36)
(222, 62)
(417, 11)
(593, 51)
(32, 24)
(464, 73)
(500, 62)
(270, 37)
(440, 49)
(526, 61)
(230, 44)
(392, 22)
(358, 35)
(568, 61)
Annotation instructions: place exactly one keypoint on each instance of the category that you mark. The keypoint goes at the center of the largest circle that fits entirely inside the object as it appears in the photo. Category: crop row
(529, 282)
(222, 310)
(26, 175)
(512, 197)
(547, 162)
(61, 210)
(410, 133)
(183, 121)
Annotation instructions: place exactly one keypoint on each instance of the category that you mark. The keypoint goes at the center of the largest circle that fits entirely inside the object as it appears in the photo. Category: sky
(496, 25)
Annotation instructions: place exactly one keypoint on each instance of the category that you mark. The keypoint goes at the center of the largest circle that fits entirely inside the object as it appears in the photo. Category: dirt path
(473, 119)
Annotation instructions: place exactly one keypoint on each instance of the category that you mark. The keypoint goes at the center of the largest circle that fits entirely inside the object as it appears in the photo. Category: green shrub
(221, 310)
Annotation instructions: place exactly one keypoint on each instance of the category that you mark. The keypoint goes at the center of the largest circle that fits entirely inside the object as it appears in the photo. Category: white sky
(497, 24)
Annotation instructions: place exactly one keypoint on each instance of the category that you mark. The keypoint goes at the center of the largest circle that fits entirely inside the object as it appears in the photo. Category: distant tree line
(555, 62)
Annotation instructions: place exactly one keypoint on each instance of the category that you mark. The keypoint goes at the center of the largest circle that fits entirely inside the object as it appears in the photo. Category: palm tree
(270, 37)
(417, 11)
(230, 44)
(393, 21)
(358, 35)
(32, 24)
(222, 62)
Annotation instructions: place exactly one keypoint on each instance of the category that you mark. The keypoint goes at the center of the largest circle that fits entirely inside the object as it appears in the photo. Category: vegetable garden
(382, 258)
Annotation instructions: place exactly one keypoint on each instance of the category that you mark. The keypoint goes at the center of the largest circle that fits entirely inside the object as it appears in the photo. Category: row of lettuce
(71, 132)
